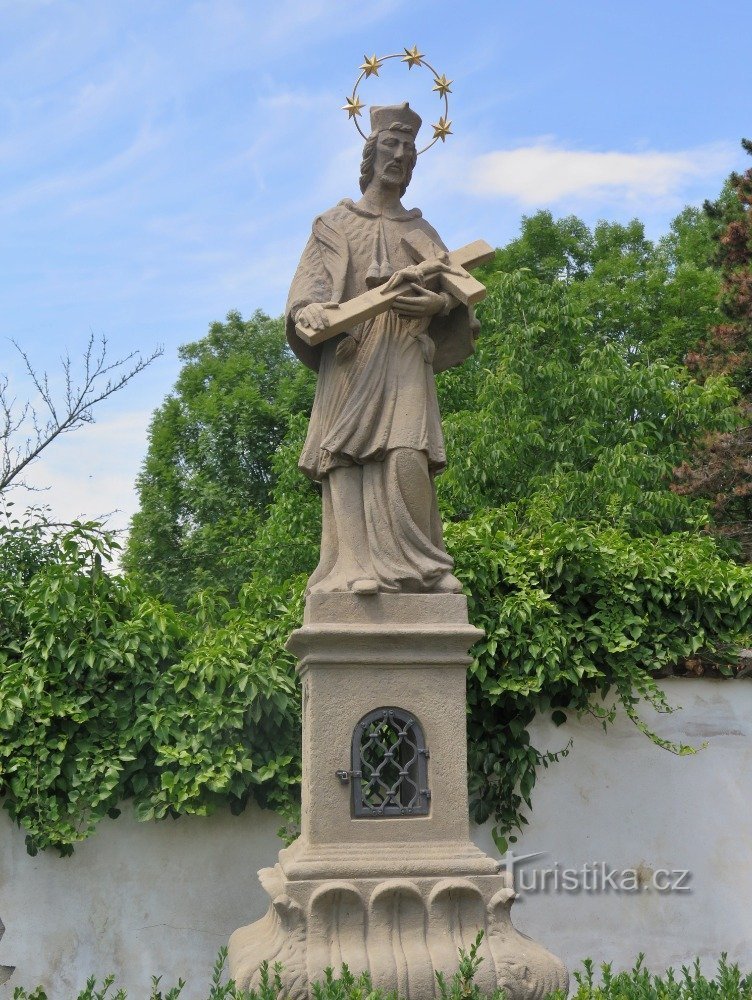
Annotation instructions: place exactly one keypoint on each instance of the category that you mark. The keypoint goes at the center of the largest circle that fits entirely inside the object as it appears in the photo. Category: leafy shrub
(574, 613)
(639, 984)
(107, 694)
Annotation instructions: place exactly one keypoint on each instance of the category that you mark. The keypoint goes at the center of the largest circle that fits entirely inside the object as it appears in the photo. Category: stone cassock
(375, 441)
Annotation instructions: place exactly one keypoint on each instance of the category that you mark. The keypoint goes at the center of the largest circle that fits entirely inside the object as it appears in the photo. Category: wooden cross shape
(458, 282)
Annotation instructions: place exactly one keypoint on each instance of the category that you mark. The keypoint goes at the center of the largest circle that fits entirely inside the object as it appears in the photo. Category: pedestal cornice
(347, 630)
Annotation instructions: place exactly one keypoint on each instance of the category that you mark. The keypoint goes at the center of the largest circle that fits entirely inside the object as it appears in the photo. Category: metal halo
(419, 60)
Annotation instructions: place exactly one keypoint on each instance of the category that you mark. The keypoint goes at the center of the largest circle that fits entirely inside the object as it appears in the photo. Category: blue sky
(161, 162)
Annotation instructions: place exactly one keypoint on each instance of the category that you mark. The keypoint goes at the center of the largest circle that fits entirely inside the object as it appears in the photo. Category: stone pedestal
(396, 891)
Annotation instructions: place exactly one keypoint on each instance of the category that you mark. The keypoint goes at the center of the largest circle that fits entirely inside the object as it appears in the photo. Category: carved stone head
(389, 154)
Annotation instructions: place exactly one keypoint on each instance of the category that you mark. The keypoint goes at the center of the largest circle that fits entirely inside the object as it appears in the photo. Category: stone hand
(314, 315)
(420, 302)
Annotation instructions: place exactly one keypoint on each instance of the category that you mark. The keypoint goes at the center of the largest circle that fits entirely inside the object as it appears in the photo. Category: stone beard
(374, 440)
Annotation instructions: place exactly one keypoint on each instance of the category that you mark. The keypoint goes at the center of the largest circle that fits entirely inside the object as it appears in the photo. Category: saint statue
(384, 875)
(374, 440)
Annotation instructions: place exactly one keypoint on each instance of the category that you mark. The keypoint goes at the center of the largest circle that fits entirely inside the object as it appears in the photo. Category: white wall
(144, 898)
(620, 799)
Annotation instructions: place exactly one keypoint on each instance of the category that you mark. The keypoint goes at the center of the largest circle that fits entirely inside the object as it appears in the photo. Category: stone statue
(384, 875)
(374, 441)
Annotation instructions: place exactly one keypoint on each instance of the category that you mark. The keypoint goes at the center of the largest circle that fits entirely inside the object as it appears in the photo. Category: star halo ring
(371, 67)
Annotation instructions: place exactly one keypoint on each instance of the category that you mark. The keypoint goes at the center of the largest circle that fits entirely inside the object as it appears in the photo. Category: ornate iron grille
(389, 769)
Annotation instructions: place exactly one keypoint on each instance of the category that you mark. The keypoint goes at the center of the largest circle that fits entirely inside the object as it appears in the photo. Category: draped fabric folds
(375, 406)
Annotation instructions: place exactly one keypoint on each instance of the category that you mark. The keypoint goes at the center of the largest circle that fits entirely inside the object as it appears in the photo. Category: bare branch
(49, 418)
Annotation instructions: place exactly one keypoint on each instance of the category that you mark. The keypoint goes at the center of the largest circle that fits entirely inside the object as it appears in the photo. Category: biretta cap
(384, 117)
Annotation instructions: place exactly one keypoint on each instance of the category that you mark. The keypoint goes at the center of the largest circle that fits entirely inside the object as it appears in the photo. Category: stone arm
(314, 281)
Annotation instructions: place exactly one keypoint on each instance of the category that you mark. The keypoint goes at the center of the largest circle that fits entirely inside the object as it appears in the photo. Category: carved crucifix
(456, 279)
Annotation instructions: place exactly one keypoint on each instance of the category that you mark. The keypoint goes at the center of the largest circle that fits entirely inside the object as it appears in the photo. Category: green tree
(585, 571)
(651, 300)
(720, 470)
(209, 473)
(553, 410)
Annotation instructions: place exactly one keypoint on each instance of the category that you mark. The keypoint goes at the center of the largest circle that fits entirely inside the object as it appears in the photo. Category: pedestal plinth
(384, 875)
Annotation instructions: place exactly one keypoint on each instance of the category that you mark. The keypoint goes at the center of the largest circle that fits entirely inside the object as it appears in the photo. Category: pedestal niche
(384, 876)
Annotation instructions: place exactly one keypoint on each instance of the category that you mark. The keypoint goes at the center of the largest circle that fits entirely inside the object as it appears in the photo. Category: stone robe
(377, 406)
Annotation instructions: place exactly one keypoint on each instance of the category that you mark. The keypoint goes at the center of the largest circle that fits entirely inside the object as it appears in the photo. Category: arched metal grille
(389, 769)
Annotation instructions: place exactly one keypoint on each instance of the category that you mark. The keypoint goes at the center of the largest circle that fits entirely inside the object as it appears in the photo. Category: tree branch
(50, 418)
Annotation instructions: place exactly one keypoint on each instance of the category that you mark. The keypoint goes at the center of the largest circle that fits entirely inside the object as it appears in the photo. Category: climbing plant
(107, 693)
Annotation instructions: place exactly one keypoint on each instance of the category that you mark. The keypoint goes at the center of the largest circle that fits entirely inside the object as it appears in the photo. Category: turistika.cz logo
(593, 876)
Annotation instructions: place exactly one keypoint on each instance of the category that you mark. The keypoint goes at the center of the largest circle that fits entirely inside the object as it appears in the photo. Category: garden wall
(144, 898)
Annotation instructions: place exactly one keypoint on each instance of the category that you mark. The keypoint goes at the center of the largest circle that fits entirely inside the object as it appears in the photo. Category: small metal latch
(344, 776)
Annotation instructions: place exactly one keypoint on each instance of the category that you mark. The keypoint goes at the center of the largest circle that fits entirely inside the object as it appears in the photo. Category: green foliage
(550, 410)
(286, 546)
(210, 472)
(107, 693)
(585, 571)
(575, 614)
(720, 470)
(651, 300)
(638, 984)
(462, 985)
(345, 986)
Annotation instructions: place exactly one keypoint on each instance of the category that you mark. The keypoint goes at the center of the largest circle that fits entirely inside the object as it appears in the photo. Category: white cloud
(544, 172)
(314, 20)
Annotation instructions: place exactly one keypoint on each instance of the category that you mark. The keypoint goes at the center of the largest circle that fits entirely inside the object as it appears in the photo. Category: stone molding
(406, 630)
(375, 859)
(400, 930)
(387, 609)
(382, 646)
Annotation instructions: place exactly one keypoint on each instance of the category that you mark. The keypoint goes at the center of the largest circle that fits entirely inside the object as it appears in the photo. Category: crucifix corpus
(384, 875)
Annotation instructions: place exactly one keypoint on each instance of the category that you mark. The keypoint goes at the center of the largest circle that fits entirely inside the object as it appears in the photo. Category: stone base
(396, 895)
(401, 930)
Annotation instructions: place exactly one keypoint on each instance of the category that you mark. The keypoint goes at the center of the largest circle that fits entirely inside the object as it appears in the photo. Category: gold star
(412, 57)
(371, 66)
(442, 129)
(442, 85)
(353, 106)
